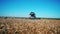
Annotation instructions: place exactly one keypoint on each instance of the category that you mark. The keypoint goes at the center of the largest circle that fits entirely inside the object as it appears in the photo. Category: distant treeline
(30, 18)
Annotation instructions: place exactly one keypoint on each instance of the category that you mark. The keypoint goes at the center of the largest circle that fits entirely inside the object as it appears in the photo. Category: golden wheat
(28, 26)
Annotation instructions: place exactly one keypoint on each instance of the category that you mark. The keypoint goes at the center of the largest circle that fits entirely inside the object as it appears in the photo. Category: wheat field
(29, 26)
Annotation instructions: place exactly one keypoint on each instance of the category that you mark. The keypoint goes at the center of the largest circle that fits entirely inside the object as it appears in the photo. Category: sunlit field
(29, 26)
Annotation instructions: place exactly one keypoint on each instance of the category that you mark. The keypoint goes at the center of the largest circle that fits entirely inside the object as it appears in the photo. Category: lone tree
(32, 15)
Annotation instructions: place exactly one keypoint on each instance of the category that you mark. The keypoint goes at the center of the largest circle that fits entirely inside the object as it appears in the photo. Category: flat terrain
(29, 26)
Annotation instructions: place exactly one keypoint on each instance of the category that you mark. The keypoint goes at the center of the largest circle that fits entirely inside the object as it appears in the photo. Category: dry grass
(28, 26)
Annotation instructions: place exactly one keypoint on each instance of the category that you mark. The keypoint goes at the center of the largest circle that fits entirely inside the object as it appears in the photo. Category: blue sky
(22, 8)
